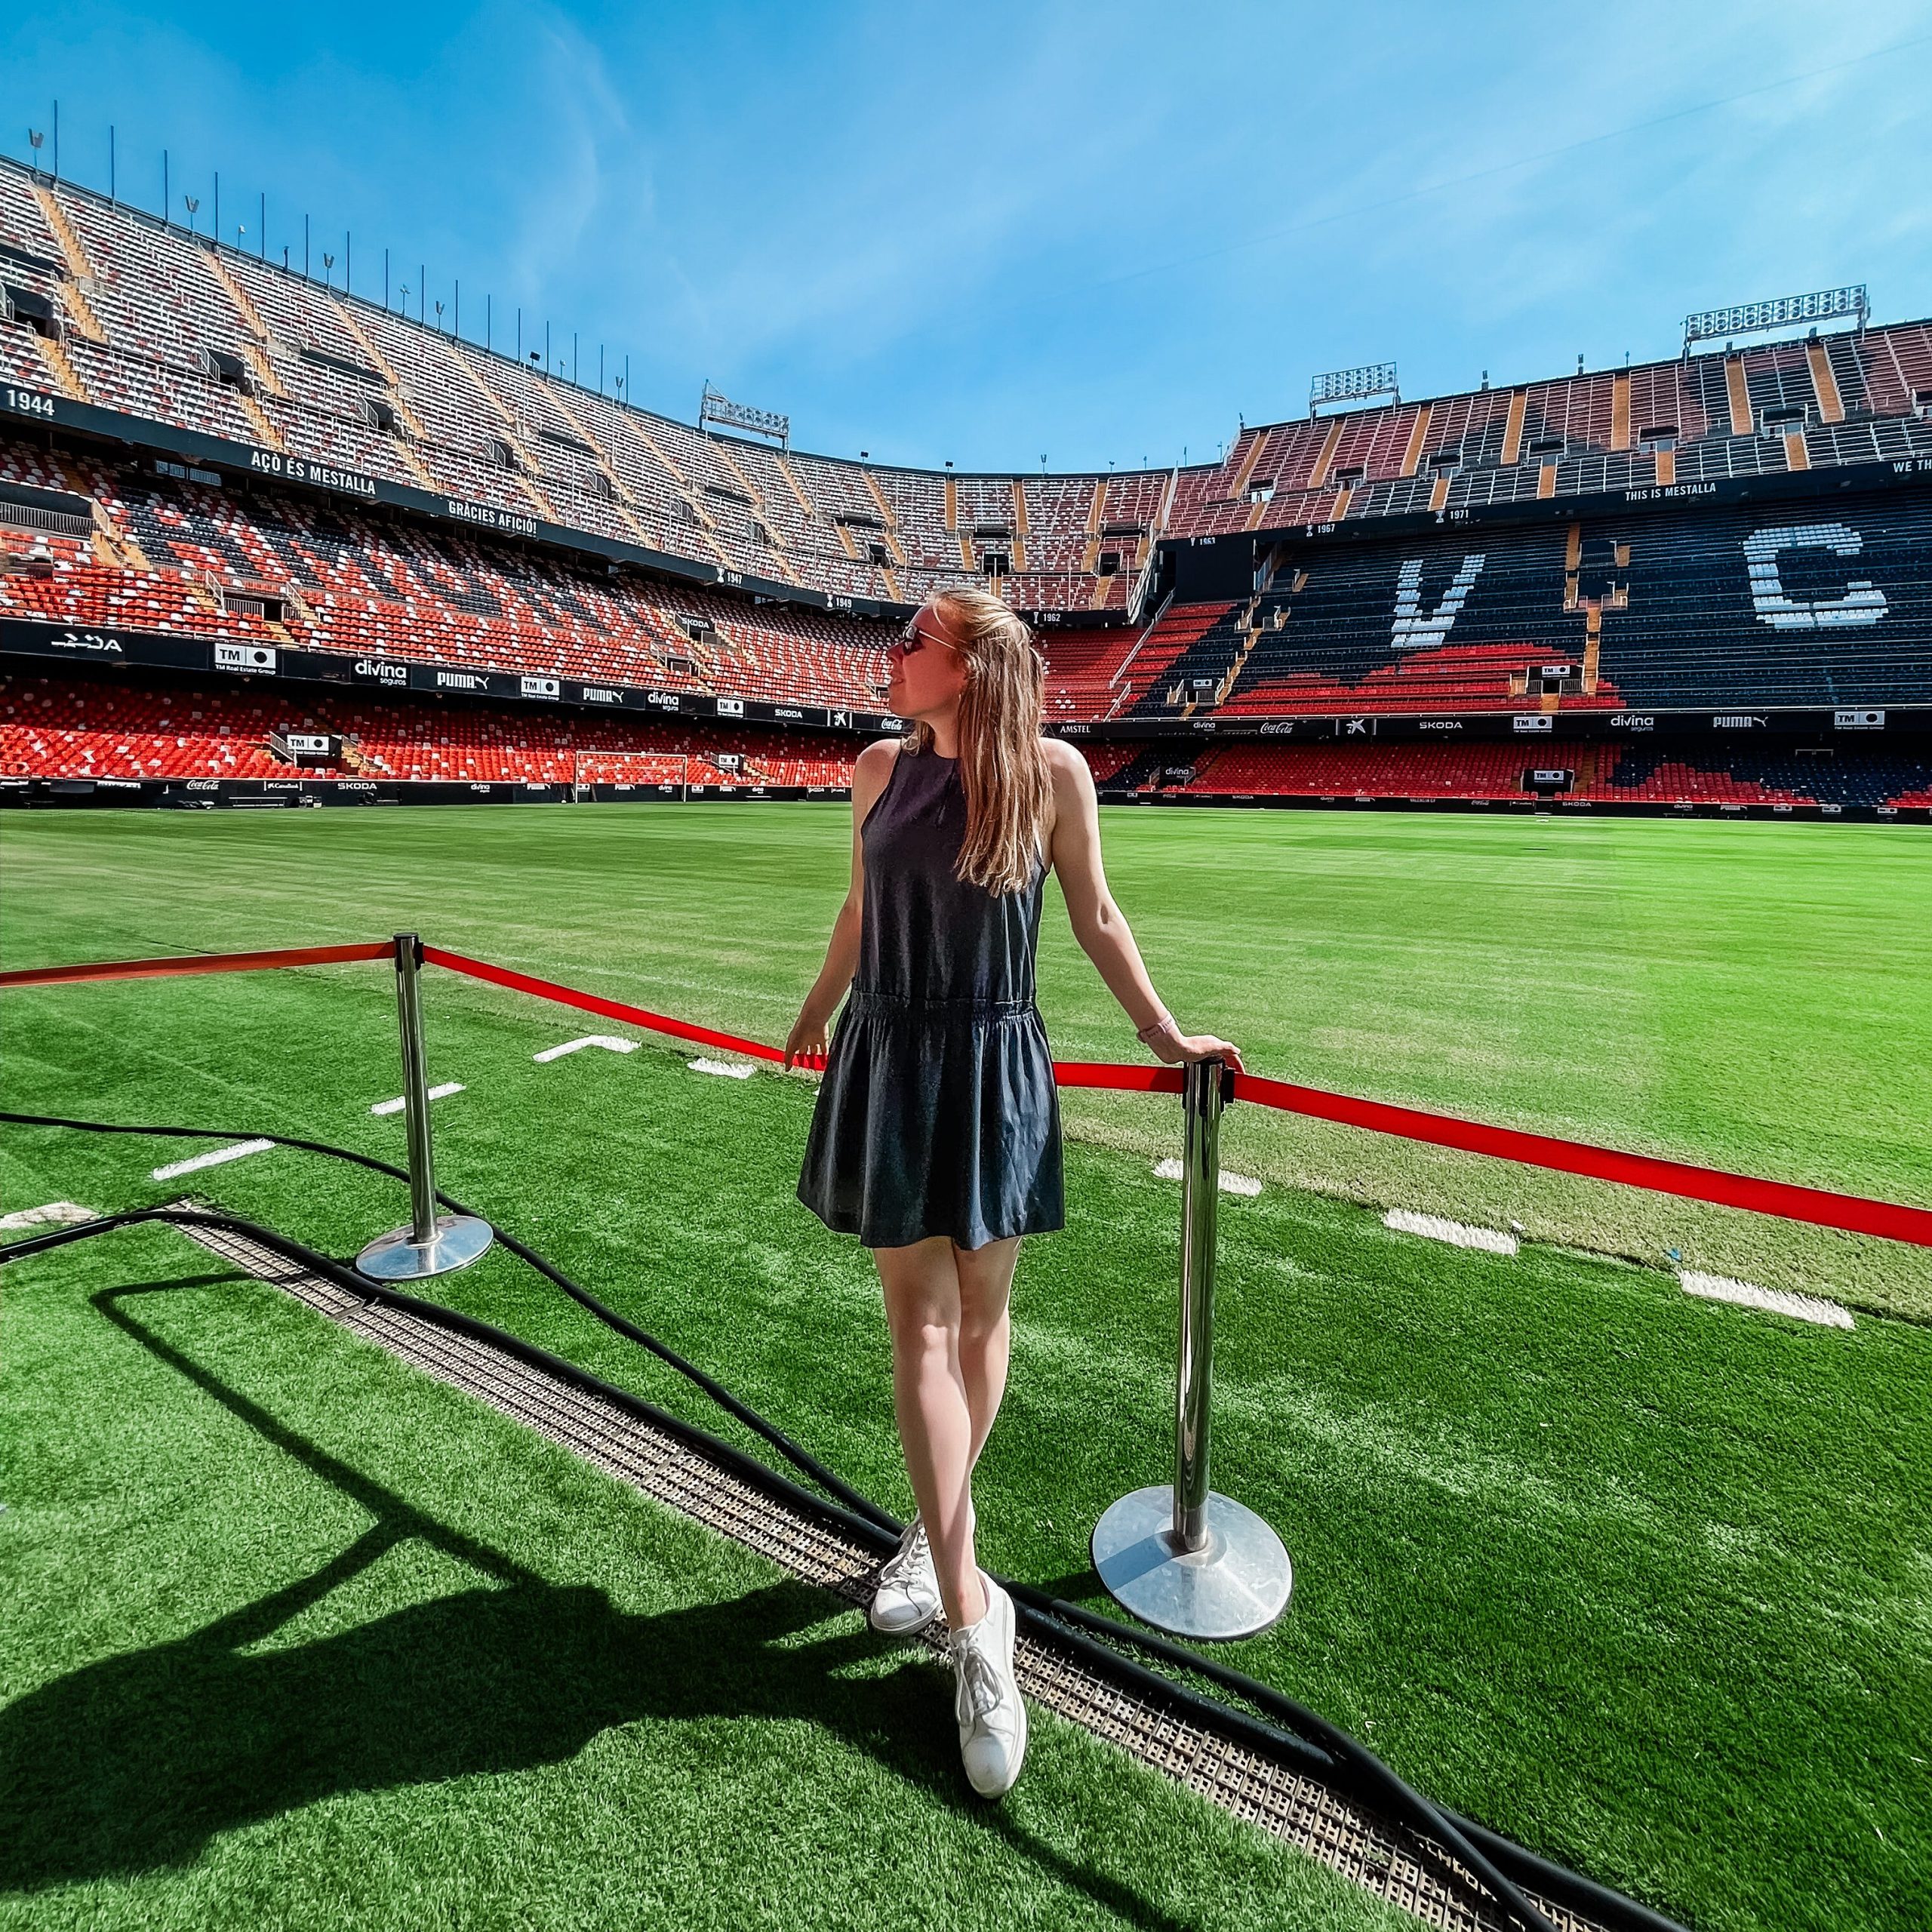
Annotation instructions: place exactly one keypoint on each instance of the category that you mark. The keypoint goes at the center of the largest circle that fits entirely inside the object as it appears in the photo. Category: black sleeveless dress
(938, 1114)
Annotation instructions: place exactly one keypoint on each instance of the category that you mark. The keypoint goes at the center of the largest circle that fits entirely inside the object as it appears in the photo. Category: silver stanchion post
(1200, 1210)
(1183, 1558)
(433, 1244)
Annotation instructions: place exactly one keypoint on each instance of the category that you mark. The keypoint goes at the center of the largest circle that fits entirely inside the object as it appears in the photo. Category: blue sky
(998, 232)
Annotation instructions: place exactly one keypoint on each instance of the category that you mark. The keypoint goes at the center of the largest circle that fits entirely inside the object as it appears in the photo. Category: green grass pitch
(289, 1635)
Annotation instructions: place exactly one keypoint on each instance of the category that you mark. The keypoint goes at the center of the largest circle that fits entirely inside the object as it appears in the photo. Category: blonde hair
(1002, 762)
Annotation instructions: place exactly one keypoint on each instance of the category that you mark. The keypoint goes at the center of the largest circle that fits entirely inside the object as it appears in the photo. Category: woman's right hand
(804, 1045)
(1171, 1044)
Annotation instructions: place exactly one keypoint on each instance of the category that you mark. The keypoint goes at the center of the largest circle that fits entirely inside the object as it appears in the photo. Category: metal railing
(1179, 1556)
(431, 1243)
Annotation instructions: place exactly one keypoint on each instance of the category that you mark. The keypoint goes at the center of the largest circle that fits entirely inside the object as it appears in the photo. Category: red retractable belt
(1818, 1205)
(1855, 1214)
(200, 962)
(608, 1009)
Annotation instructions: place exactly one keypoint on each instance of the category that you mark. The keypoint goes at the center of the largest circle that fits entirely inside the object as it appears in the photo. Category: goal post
(643, 771)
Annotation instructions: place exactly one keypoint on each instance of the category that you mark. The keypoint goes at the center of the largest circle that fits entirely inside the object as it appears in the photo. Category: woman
(936, 1137)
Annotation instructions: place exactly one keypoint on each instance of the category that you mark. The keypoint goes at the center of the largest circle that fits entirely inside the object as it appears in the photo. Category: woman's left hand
(1176, 1049)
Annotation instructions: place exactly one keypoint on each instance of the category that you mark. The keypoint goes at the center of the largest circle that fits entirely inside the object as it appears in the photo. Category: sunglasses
(912, 640)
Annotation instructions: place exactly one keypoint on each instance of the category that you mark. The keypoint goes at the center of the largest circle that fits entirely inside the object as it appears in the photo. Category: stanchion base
(460, 1239)
(1237, 1584)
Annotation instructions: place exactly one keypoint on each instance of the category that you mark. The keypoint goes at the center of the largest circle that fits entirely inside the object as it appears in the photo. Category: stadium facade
(261, 540)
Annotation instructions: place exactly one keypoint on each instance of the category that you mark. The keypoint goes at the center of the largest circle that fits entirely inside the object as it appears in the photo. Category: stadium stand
(1145, 666)
(1783, 778)
(145, 319)
(75, 725)
(79, 727)
(385, 489)
(1720, 607)
(1082, 669)
(99, 727)
(1717, 608)
(190, 557)
(1766, 411)
(1611, 774)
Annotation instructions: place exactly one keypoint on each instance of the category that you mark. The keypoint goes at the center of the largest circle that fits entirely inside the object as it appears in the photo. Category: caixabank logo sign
(253, 660)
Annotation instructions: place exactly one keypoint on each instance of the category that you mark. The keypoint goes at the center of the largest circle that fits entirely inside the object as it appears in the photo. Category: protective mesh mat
(1382, 1857)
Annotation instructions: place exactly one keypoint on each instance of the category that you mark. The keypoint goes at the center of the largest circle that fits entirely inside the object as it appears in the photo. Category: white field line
(727, 1069)
(1748, 1294)
(1458, 1234)
(239, 1151)
(1231, 1184)
(54, 1211)
(395, 1106)
(608, 1042)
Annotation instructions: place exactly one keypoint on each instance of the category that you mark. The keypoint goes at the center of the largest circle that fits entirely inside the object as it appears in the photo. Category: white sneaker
(992, 1714)
(907, 1598)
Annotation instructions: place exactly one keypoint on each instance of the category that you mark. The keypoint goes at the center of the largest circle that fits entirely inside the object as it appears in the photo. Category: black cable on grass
(1327, 1751)
(801, 1458)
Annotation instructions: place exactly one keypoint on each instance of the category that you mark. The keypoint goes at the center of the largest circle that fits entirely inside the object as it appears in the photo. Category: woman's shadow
(136, 1762)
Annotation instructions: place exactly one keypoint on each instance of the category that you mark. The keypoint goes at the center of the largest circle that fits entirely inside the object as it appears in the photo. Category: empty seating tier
(1783, 606)
(188, 557)
(108, 306)
(68, 726)
(75, 725)
(1726, 608)
(1494, 774)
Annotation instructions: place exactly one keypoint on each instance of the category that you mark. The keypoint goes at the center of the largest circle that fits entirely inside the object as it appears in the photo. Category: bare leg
(922, 1311)
(986, 1331)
